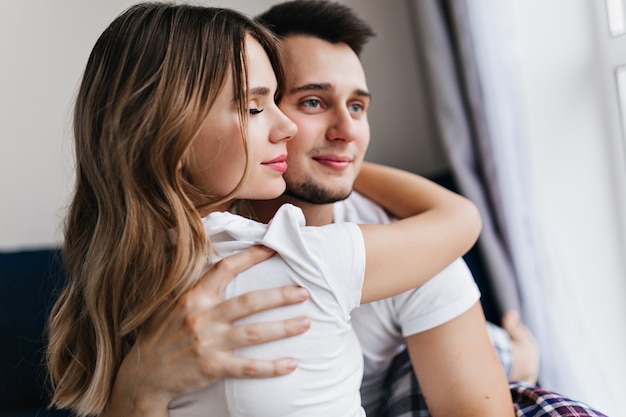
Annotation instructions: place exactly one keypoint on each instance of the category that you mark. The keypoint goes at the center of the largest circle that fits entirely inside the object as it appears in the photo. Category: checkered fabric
(535, 401)
(405, 398)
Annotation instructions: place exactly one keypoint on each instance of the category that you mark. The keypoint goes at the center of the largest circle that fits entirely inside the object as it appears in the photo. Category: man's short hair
(323, 19)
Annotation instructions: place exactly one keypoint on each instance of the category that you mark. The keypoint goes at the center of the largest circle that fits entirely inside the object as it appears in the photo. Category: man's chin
(313, 194)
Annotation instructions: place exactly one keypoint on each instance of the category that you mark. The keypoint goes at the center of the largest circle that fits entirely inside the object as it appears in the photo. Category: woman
(176, 118)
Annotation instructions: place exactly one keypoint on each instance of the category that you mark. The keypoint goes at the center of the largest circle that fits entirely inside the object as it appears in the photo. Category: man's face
(327, 98)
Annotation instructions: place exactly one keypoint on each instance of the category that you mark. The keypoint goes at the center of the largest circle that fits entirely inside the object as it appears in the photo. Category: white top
(330, 262)
(381, 326)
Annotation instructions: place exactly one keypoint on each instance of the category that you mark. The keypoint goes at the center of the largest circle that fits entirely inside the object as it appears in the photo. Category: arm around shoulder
(437, 227)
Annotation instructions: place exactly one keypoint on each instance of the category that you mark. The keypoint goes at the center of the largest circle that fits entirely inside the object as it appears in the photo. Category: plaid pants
(405, 398)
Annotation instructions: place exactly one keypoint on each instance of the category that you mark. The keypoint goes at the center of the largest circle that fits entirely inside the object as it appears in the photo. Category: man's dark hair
(326, 20)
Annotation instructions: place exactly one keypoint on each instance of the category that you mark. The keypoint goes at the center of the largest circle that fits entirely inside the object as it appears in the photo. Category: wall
(44, 46)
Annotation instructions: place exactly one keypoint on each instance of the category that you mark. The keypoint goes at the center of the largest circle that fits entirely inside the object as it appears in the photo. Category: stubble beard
(309, 191)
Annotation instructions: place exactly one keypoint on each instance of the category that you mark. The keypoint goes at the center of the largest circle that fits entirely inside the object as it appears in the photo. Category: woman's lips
(278, 164)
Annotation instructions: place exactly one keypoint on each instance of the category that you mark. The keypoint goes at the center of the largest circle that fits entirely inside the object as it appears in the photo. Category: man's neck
(315, 214)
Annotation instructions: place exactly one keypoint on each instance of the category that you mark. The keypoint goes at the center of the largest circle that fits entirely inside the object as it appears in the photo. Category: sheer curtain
(468, 51)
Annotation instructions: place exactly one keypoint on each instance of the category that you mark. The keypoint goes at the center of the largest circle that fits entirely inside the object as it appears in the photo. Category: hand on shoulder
(191, 346)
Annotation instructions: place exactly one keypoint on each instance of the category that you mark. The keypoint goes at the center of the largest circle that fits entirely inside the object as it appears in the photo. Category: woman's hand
(192, 346)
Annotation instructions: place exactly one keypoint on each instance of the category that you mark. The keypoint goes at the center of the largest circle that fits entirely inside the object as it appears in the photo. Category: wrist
(131, 396)
(130, 403)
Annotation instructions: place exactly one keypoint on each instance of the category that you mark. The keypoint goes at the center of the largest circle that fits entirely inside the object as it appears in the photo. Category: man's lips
(335, 162)
(278, 164)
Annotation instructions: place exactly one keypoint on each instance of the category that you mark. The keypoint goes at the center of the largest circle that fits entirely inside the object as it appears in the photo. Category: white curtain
(494, 46)
(469, 52)
(547, 299)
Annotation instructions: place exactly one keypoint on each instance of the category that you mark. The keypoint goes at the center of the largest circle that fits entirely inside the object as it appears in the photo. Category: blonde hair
(148, 85)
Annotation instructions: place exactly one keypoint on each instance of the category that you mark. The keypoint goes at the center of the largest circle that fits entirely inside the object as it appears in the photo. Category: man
(327, 98)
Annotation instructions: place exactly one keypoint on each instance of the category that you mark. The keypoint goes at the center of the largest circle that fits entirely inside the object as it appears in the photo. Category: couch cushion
(29, 281)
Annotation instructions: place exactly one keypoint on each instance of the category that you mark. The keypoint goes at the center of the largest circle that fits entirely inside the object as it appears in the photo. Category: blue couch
(29, 281)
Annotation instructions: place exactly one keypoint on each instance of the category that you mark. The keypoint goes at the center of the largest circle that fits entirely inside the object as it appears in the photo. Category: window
(620, 78)
(616, 13)
(614, 54)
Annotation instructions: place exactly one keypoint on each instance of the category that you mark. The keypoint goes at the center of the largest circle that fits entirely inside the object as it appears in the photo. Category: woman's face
(216, 159)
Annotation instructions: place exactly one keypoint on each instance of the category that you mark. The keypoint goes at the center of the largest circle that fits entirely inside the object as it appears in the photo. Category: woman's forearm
(402, 193)
(437, 226)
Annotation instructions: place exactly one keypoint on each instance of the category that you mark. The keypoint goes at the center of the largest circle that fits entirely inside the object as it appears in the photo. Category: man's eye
(311, 103)
(254, 111)
(357, 108)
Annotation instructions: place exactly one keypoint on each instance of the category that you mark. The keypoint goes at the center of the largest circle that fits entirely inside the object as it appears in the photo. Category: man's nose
(341, 126)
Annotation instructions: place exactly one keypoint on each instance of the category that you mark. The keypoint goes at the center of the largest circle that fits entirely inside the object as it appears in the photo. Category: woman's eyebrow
(259, 91)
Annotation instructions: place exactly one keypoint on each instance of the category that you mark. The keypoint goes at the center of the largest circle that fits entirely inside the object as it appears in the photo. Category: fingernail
(302, 293)
(290, 364)
(304, 323)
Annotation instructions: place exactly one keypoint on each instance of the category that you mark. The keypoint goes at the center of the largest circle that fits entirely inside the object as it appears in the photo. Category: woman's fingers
(192, 344)
(245, 305)
(258, 333)
(207, 293)
(217, 278)
(237, 367)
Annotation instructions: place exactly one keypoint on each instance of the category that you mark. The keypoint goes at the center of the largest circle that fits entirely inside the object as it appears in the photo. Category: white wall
(44, 46)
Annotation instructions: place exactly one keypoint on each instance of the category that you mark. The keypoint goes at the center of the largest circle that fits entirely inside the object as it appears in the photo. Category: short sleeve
(342, 249)
(444, 297)
(330, 257)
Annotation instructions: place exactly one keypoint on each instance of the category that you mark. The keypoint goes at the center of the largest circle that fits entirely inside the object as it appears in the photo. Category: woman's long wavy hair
(134, 241)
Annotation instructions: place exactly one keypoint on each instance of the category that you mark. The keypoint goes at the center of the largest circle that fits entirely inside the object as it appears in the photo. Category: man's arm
(458, 369)
(522, 347)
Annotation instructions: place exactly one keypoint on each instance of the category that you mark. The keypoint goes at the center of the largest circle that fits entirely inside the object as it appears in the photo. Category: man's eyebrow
(326, 87)
(363, 93)
(311, 87)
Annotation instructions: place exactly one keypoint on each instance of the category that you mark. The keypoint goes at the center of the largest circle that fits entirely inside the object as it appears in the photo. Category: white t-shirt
(328, 260)
(381, 326)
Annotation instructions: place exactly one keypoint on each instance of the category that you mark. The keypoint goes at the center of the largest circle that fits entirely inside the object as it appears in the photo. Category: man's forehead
(314, 64)
(312, 48)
